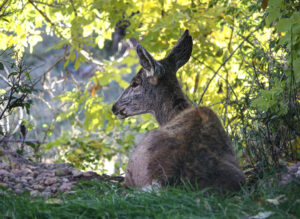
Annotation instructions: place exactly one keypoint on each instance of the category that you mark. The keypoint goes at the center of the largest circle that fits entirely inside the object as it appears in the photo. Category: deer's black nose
(114, 109)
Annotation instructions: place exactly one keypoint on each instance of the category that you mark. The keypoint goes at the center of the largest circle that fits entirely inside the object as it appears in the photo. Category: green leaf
(77, 64)
(297, 69)
(28, 75)
(32, 145)
(260, 103)
(58, 45)
(12, 74)
(1, 66)
(284, 25)
(72, 56)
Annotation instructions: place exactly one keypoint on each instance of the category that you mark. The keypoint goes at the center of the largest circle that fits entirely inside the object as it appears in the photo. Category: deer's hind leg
(204, 169)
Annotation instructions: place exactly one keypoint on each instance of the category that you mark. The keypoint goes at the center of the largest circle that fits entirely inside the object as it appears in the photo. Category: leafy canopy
(226, 72)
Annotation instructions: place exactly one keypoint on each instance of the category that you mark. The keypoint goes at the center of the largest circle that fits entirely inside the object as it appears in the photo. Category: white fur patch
(149, 73)
(154, 187)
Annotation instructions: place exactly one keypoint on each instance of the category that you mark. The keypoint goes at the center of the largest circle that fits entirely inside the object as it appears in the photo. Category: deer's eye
(134, 84)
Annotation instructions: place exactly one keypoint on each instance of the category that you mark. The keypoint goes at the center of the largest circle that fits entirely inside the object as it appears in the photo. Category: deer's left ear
(152, 67)
(182, 51)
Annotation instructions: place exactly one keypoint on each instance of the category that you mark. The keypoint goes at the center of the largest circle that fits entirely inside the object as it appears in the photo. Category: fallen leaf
(277, 200)
(53, 201)
(236, 198)
(273, 201)
(261, 215)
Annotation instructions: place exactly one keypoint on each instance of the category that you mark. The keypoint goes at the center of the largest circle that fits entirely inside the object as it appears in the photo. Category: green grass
(96, 199)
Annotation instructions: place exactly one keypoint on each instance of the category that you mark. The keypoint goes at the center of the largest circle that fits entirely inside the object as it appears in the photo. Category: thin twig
(20, 140)
(210, 68)
(4, 79)
(46, 18)
(74, 9)
(231, 36)
(227, 81)
(3, 4)
(224, 62)
(213, 104)
(8, 102)
(48, 70)
(51, 67)
(57, 5)
(227, 99)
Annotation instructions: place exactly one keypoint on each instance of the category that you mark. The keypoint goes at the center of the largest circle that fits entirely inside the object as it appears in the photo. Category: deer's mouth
(124, 112)
(120, 113)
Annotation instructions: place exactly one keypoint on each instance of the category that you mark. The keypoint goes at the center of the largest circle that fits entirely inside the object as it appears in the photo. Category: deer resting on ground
(191, 143)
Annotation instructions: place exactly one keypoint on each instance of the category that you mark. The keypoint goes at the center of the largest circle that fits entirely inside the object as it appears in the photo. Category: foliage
(94, 199)
(19, 85)
(245, 65)
(16, 86)
(271, 128)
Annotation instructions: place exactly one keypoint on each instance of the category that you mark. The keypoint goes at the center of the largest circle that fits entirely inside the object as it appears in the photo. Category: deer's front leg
(137, 172)
(153, 161)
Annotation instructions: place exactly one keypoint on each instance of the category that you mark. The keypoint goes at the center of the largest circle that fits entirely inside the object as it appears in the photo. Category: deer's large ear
(152, 67)
(182, 51)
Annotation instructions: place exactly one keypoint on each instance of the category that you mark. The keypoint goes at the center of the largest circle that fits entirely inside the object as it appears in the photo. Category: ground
(104, 197)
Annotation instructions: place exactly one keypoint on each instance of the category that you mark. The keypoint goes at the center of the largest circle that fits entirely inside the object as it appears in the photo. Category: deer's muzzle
(119, 112)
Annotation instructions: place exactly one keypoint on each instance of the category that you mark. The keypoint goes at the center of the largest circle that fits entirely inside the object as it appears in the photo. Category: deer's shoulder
(194, 116)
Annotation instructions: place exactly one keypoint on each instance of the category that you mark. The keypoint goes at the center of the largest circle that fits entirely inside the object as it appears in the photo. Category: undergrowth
(96, 199)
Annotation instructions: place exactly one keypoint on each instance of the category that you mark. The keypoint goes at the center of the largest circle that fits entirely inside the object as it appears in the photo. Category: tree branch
(3, 4)
(49, 69)
(50, 5)
(8, 102)
(210, 68)
(21, 140)
(46, 17)
(224, 63)
(74, 9)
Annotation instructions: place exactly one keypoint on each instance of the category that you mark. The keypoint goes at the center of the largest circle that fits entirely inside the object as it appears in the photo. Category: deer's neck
(167, 110)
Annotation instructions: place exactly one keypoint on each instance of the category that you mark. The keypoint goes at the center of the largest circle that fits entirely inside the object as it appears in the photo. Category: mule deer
(191, 144)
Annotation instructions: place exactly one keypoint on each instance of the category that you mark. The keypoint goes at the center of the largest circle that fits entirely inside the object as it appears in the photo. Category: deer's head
(155, 86)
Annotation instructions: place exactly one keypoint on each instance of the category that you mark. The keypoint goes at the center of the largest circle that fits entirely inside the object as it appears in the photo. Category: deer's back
(199, 127)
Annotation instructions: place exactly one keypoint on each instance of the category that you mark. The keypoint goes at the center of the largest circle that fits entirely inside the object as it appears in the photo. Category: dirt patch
(19, 175)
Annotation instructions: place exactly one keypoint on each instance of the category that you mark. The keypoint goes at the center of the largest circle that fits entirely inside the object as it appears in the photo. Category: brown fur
(191, 144)
(192, 147)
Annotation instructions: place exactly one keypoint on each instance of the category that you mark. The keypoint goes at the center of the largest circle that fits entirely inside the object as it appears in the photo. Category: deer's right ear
(182, 51)
(153, 68)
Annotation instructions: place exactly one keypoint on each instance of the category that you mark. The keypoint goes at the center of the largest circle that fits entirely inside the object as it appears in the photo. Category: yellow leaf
(94, 89)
